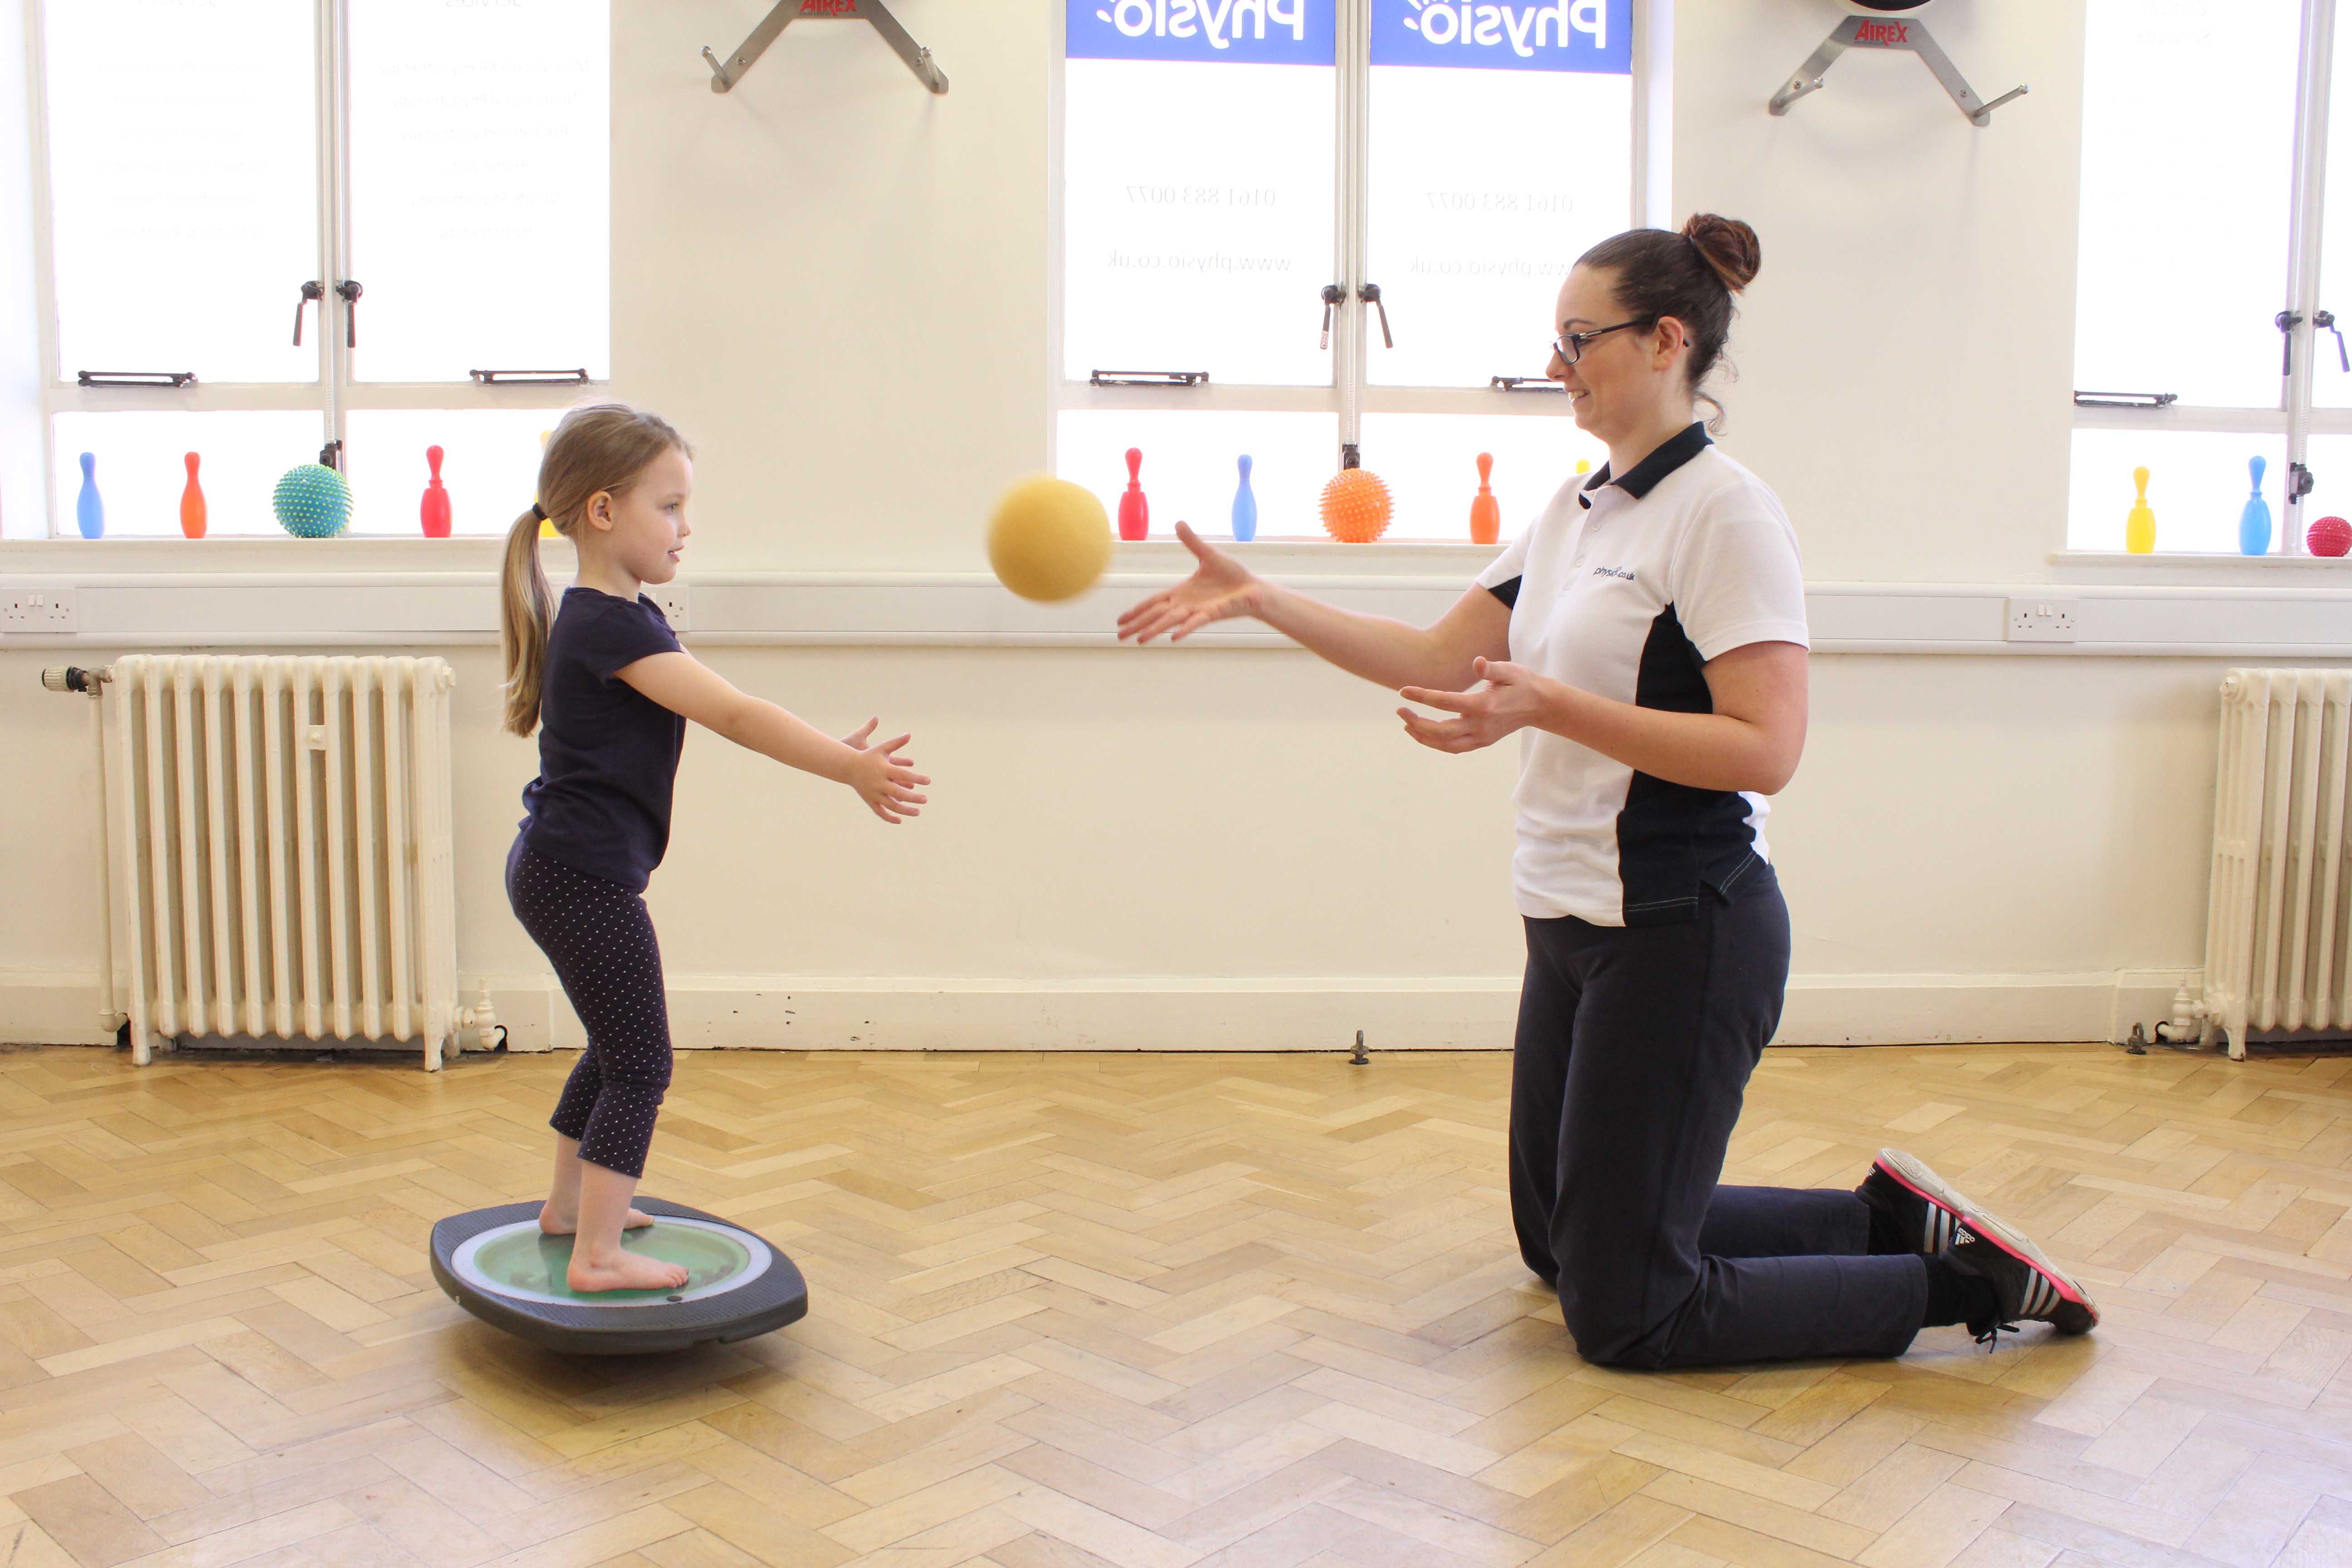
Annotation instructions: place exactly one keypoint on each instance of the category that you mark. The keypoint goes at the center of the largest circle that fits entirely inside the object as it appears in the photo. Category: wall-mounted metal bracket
(1885, 33)
(726, 73)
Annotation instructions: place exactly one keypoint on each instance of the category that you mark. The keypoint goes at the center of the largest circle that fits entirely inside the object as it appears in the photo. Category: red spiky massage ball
(2329, 536)
(1355, 506)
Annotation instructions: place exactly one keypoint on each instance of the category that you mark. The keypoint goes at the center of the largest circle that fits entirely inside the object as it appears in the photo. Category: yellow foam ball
(1048, 539)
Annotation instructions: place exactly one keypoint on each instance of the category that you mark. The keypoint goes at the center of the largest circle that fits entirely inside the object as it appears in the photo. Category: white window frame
(1349, 394)
(2293, 417)
(335, 394)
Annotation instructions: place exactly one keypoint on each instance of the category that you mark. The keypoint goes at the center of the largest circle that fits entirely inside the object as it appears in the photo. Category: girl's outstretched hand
(883, 779)
(1219, 589)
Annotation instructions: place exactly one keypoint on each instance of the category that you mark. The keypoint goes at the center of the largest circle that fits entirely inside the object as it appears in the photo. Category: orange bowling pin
(1486, 511)
(192, 502)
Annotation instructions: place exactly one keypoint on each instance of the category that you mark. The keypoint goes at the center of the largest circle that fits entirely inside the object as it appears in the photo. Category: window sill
(2201, 560)
(334, 594)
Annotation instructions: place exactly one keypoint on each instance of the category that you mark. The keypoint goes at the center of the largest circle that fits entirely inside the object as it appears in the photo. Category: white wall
(22, 513)
(836, 284)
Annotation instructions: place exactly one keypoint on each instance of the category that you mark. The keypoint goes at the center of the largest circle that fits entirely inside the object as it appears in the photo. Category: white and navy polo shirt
(1626, 588)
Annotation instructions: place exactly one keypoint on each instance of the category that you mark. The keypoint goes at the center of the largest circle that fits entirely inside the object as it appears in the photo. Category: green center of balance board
(530, 1259)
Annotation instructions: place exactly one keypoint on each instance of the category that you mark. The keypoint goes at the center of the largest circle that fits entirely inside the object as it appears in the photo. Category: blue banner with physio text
(1226, 32)
(1592, 36)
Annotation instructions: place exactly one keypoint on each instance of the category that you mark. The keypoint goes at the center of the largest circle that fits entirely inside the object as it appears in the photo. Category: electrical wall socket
(37, 612)
(676, 603)
(2041, 620)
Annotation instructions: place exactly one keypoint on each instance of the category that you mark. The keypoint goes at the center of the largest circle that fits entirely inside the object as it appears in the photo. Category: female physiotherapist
(1645, 637)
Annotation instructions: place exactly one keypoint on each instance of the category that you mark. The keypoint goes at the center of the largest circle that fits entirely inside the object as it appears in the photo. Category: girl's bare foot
(555, 1224)
(623, 1270)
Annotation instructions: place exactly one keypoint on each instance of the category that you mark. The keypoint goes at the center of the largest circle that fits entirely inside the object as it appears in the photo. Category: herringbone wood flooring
(1143, 1310)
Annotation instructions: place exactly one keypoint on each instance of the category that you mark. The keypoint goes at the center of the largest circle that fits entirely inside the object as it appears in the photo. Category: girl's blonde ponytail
(600, 449)
(525, 612)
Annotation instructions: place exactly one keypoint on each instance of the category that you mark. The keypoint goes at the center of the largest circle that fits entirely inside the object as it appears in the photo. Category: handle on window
(349, 293)
(1370, 293)
(1332, 295)
(2286, 321)
(311, 292)
(2325, 322)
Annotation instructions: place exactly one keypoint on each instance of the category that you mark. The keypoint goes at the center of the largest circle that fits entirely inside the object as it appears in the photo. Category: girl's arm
(1752, 741)
(1387, 652)
(691, 689)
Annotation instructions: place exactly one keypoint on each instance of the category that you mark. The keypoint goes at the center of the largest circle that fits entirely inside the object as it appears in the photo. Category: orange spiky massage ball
(1355, 506)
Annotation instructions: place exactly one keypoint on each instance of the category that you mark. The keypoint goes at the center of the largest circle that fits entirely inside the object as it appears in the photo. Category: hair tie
(538, 511)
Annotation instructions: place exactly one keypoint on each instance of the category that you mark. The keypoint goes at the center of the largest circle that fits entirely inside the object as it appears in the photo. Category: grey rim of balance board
(764, 1293)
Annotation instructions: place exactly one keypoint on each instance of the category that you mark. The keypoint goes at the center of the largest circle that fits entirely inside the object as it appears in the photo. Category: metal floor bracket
(1883, 33)
(726, 73)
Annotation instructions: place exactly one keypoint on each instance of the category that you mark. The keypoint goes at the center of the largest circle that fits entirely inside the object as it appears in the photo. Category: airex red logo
(1884, 34)
(828, 8)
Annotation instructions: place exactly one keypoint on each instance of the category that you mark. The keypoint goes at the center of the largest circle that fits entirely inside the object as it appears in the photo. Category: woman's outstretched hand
(884, 780)
(1513, 699)
(1219, 589)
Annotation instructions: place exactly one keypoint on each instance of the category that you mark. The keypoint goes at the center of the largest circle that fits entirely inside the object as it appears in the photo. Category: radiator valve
(73, 678)
(483, 1019)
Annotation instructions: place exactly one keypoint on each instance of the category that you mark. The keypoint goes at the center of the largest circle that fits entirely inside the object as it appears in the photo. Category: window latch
(2286, 321)
(1332, 295)
(1148, 378)
(2325, 322)
(134, 378)
(1524, 383)
(1370, 293)
(2298, 481)
(331, 456)
(530, 377)
(312, 292)
(2126, 399)
(349, 293)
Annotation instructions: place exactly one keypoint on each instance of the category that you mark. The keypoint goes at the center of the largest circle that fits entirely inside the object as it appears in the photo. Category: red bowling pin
(1486, 511)
(434, 509)
(1134, 512)
(192, 502)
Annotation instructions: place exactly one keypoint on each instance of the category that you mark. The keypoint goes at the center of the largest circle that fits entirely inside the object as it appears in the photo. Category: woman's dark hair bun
(1727, 245)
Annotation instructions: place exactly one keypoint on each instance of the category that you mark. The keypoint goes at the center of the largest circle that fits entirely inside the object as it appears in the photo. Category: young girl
(610, 691)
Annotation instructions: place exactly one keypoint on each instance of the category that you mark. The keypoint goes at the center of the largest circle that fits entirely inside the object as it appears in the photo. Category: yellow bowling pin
(2139, 526)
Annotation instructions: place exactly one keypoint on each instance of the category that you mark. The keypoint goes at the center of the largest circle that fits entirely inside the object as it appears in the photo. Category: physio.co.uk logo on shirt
(1235, 32)
(1539, 35)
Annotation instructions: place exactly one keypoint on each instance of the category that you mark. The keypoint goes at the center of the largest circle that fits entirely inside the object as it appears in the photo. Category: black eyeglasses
(1570, 346)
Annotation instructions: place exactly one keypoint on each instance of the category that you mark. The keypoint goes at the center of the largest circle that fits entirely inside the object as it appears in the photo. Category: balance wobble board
(497, 1263)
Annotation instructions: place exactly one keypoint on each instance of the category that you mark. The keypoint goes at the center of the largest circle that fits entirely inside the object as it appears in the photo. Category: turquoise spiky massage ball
(312, 502)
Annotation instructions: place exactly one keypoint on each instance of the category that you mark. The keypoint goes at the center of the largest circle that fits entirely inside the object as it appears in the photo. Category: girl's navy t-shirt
(607, 752)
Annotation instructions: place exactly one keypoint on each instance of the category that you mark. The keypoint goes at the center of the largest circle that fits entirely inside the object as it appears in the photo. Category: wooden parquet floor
(1152, 1312)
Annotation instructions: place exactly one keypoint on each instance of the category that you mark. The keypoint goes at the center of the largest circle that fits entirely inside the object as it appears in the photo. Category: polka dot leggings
(601, 940)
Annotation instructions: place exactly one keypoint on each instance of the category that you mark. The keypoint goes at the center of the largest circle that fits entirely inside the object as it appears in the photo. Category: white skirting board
(1436, 1012)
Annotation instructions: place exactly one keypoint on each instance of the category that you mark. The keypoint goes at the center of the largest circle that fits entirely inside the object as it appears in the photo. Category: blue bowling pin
(2254, 523)
(88, 510)
(1245, 506)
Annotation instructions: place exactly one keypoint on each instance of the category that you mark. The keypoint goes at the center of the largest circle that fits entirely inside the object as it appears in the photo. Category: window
(2205, 275)
(1302, 229)
(416, 192)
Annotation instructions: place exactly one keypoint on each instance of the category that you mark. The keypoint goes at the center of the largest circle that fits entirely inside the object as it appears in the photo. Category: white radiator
(278, 834)
(2277, 927)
